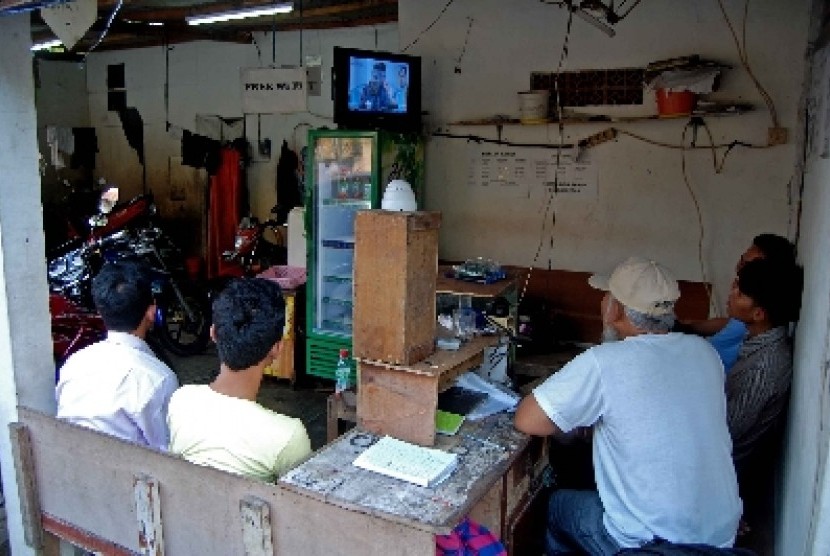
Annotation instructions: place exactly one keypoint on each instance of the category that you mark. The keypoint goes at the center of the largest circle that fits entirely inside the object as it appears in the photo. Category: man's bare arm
(530, 419)
(703, 327)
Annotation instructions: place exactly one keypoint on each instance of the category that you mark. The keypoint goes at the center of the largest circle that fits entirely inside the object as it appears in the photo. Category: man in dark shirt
(765, 297)
(375, 95)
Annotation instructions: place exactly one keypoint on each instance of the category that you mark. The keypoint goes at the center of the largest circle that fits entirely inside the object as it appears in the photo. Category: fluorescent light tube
(254, 11)
(45, 45)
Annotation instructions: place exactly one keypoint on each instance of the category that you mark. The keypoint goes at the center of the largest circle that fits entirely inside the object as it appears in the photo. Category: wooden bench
(110, 496)
(572, 305)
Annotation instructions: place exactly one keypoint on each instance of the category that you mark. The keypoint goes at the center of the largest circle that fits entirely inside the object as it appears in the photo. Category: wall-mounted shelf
(733, 110)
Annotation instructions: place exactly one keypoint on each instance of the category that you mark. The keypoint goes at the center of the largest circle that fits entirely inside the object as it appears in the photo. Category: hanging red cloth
(227, 199)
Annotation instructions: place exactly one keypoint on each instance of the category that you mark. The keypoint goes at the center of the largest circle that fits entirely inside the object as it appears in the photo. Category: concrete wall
(61, 100)
(804, 516)
(26, 368)
(643, 204)
(202, 83)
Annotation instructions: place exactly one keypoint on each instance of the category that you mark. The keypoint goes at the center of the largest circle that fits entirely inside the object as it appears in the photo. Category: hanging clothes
(289, 194)
(133, 126)
(199, 151)
(86, 145)
(227, 204)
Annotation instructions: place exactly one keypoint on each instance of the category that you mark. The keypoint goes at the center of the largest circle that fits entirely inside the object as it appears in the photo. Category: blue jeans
(575, 525)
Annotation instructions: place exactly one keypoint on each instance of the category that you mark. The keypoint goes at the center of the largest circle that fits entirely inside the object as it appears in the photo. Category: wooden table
(400, 400)
(446, 285)
(489, 451)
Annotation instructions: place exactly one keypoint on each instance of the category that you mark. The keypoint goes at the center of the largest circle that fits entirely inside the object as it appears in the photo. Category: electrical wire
(479, 139)
(106, 28)
(428, 27)
(464, 46)
(744, 58)
(707, 286)
(628, 11)
(563, 55)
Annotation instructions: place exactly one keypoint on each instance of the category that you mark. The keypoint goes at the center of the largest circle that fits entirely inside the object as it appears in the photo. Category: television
(376, 90)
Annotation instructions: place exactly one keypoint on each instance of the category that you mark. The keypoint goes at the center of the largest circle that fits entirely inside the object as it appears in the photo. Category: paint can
(533, 106)
(675, 103)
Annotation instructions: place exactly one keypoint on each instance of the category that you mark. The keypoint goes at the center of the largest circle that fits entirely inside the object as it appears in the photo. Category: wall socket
(777, 136)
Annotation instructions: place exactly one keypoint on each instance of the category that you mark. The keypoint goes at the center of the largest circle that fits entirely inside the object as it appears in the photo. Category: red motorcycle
(252, 253)
(73, 328)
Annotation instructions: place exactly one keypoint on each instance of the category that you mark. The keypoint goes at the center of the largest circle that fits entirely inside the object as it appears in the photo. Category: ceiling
(130, 27)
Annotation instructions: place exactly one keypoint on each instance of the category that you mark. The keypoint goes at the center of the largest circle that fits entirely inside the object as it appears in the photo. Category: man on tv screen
(375, 95)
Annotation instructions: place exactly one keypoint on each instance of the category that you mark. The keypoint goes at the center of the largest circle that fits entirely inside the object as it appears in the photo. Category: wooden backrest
(573, 305)
(108, 495)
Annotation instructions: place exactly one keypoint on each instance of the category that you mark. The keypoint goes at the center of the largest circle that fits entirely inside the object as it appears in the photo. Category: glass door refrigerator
(346, 172)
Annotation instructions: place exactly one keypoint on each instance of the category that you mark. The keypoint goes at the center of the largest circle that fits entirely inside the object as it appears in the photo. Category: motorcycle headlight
(56, 268)
(66, 268)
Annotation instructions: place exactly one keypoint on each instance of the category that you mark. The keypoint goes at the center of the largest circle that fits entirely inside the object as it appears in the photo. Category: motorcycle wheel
(176, 331)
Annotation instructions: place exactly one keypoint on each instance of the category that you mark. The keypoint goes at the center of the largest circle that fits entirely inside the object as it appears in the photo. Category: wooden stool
(339, 407)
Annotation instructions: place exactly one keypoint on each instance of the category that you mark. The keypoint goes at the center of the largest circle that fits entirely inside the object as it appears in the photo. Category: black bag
(662, 547)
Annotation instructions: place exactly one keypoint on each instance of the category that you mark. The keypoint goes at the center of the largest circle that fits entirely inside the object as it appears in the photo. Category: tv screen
(376, 90)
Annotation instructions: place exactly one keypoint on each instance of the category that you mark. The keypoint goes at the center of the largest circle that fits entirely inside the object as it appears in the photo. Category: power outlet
(777, 136)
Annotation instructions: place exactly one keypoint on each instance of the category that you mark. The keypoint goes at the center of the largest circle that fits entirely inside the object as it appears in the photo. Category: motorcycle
(182, 323)
(73, 328)
(252, 253)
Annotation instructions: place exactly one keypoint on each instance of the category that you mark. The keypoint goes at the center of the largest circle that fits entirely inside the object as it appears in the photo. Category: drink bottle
(342, 373)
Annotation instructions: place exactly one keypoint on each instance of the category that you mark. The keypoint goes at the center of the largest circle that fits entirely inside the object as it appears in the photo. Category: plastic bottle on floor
(342, 373)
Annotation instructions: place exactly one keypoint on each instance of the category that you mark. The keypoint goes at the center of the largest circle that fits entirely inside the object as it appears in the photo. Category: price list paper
(519, 170)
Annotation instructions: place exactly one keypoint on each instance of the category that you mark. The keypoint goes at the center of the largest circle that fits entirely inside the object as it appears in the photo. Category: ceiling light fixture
(45, 45)
(243, 13)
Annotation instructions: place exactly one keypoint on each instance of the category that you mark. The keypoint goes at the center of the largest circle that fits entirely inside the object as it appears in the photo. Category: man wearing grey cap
(655, 400)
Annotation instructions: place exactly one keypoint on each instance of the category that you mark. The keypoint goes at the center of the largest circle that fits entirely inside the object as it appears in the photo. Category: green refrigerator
(346, 171)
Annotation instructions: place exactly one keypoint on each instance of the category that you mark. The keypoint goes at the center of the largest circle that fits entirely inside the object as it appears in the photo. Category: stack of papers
(395, 458)
(498, 399)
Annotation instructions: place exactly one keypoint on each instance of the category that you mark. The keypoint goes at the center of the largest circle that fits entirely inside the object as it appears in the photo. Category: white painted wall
(804, 520)
(27, 371)
(643, 205)
(60, 100)
(203, 79)
(60, 93)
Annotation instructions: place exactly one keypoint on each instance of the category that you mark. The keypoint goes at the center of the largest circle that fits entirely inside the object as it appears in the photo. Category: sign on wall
(519, 169)
(274, 90)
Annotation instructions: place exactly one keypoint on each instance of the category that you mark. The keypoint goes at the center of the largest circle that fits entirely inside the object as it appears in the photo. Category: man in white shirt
(118, 386)
(655, 400)
(220, 424)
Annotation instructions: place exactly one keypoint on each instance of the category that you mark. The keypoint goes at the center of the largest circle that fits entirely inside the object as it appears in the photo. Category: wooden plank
(148, 510)
(54, 527)
(443, 361)
(85, 480)
(486, 449)
(395, 268)
(26, 484)
(445, 284)
(397, 403)
(256, 526)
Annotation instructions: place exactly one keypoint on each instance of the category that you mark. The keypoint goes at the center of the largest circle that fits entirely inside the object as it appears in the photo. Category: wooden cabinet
(395, 269)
